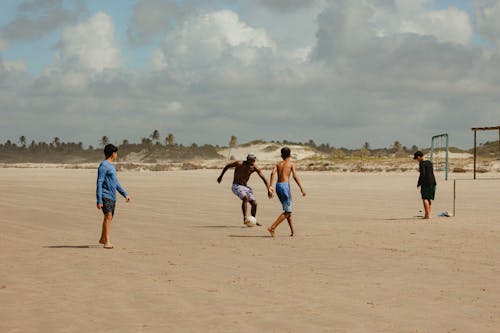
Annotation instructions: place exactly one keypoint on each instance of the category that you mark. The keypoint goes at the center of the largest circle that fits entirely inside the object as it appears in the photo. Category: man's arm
(297, 180)
(101, 173)
(422, 174)
(122, 191)
(227, 167)
(261, 175)
(273, 173)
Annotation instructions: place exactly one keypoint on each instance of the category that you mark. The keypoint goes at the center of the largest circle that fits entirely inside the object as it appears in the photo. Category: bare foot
(108, 246)
(102, 241)
(271, 231)
(292, 234)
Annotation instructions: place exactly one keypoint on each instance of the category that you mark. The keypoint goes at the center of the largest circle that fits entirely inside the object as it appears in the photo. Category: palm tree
(365, 150)
(233, 142)
(155, 136)
(104, 140)
(397, 148)
(170, 139)
(56, 141)
(22, 141)
(146, 143)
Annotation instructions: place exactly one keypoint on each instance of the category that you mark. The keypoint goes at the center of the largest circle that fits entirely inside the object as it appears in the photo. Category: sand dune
(362, 260)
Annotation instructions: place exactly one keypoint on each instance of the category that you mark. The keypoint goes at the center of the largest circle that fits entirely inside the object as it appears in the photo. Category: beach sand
(361, 262)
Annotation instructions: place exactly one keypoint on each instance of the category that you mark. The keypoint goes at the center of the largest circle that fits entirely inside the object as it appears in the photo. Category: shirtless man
(284, 169)
(242, 172)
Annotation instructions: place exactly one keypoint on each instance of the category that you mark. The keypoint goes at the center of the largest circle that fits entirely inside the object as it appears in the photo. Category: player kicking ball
(284, 169)
(242, 172)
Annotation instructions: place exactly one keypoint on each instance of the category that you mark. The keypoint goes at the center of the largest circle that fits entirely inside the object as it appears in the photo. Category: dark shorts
(428, 192)
(108, 206)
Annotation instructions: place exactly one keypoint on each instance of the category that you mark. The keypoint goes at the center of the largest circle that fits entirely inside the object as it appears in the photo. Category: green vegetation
(70, 152)
(488, 149)
(153, 149)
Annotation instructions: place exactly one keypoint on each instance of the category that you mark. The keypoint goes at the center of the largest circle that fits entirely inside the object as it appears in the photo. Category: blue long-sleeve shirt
(107, 182)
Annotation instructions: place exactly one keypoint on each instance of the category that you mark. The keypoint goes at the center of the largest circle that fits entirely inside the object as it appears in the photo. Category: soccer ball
(250, 221)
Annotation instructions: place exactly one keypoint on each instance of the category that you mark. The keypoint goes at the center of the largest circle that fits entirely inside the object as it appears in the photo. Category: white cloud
(170, 108)
(3, 44)
(488, 20)
(158, 61)
(210, 41)
(17, 65)
(36, 18)
(450, 25)
(90, 45)
(385, 18)
(364, 70)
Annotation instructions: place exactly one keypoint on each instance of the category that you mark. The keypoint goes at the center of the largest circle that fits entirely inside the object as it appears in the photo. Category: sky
(342, 72)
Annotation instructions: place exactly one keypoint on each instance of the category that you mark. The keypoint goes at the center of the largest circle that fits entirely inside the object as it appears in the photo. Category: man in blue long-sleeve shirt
(107, 185)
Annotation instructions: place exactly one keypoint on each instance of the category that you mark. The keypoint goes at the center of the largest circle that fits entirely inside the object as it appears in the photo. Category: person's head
(419, 156)
(285, 153)
(251, 158)
(110, 151)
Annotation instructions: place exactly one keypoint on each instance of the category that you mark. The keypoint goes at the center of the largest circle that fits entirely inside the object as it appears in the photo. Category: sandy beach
(362, 260)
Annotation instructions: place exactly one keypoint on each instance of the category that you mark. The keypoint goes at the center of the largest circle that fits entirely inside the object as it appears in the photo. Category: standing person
(242, 172)
(426, 182)
(284, 169)
(107, 185)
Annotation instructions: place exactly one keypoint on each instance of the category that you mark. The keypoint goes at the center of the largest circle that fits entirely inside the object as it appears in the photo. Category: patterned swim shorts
(242, 192)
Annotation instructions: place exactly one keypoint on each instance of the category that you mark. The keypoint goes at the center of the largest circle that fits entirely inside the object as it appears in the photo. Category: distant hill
(487, 149)
(153, 151)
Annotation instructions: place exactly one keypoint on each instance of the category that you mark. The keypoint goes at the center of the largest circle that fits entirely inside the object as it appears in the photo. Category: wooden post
(475, 129)
(454, 195)
(475, 152)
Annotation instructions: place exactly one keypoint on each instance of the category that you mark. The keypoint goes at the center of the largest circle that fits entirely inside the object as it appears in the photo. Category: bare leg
(290, 224)
(102, 240)
(427, 208)
(254, 209)
(106, 229)
(244, 207)
(276, 223)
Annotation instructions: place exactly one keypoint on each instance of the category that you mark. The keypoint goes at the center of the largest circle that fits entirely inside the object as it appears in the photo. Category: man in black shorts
(426, 182)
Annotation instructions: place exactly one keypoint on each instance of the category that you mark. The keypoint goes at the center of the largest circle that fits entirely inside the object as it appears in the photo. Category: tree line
(58, 151)
(155, 147)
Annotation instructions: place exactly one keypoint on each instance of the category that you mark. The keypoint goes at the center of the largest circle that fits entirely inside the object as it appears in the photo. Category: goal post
(475, 129)
(439, 153)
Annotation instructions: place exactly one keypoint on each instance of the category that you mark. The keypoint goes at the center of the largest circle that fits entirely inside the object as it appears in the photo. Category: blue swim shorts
(285, 196)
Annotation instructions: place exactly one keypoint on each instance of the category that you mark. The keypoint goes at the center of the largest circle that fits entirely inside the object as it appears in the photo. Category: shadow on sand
(249, 236)
(219, 226)
(73, 246)
(418, 217)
